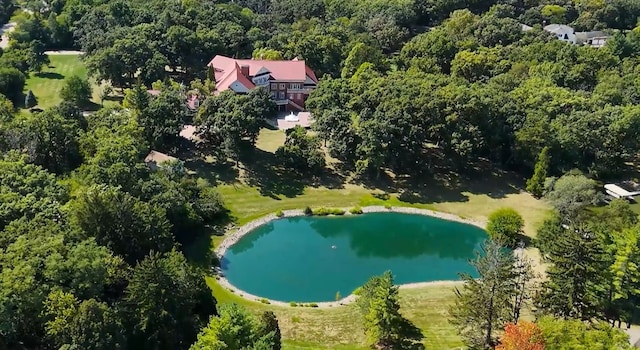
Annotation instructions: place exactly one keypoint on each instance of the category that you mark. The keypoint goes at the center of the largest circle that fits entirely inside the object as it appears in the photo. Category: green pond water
(307, 259)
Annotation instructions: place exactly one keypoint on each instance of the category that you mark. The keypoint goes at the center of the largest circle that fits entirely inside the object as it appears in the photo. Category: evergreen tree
(380, 308)
(30, 99)
(535, 184)
(484, 305)
(575, 278)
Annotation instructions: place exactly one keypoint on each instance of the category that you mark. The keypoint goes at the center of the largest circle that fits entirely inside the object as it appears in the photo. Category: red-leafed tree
(521, 336)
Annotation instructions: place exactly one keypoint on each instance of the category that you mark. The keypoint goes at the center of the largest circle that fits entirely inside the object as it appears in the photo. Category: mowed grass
(426, 307)
(46, 85)
(341, 328)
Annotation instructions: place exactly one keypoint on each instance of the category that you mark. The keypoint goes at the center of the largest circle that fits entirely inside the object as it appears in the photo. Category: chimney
(245, 71)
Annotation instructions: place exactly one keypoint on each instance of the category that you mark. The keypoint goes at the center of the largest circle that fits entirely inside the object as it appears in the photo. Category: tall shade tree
(504, 226)
(126, 225)
(167, 302)
(163, 118)
(485, 305)
(383, 324)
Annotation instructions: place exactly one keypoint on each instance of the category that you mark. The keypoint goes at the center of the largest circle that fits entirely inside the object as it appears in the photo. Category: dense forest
(92, 241)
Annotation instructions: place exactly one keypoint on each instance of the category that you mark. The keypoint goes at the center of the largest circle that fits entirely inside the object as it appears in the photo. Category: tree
(383, 324)
(362, 53)
(535, 185)
(504, 226)
(301, 151)
(266, 54)
(166, 302)
(86, 324)
(76, 90)
(163, 118)
(235, 328)
(573, 288)
(126, 225)
(561, 333)
(570, 194)
(521, 336)
(28, 191)
(484, 305)
(11, 84)
(30, 99)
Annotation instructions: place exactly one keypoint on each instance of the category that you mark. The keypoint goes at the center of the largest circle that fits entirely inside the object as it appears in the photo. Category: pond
(309, 259)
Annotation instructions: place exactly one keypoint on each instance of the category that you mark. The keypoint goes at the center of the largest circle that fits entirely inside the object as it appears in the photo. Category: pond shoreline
(234, 237)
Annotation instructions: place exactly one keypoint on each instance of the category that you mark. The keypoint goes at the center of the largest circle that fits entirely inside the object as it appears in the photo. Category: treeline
(91, 238)
(479, 87)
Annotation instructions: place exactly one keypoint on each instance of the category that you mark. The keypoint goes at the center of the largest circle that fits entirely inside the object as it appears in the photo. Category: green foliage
(573, 288)
(571, 194)
(301, 151)
(27, 190)
(356, 210)
(505, 226)
(169, 301)
(279, 213)
(485, 304)
(574, 334)
(11, 83)
(76, 90)
(384, 325)
(235, 328)
(535, 185)
(308, 211)
(30, 99)
(162, 118)
(126, 225)
(328, 211)
(293, 304)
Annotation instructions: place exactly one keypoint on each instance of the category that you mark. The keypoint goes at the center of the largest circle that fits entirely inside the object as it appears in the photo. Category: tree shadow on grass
(50, 75)
(264, 171)
(411, 336)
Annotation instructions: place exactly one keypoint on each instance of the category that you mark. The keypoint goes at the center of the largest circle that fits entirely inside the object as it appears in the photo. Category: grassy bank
(259, 190)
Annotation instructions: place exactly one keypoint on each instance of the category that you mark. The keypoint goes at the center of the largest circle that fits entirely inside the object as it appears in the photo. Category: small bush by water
(328, 211)
(265, 301)
(293, 304)
(308, 211)
(279, 213)
(355, 210)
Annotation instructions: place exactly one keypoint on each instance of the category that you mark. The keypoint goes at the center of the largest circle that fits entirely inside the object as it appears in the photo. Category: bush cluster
(328, 211)
(355, 210)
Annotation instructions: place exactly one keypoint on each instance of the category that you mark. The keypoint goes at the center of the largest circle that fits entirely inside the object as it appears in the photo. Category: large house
(289, 82)
(566, 33)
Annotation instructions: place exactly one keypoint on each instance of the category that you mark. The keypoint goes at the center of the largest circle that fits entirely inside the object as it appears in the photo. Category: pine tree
(535, 184)
(484, 305)
(30, 99)
(380, 308)
(574, 286)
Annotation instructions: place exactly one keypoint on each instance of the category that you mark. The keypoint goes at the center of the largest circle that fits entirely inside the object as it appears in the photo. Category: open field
(256, 190)
(47, 84)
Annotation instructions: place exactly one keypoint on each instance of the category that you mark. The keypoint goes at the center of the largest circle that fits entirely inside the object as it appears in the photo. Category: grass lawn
(250, 194)
(46, 85)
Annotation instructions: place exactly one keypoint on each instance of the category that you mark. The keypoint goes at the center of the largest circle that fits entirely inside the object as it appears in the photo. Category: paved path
(63, 52)
(634, 336)
(4, 31)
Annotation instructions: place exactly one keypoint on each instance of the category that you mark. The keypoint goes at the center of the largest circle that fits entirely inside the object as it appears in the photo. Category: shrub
(295, 319)
(313, 305)
(265, 301)
(279, 213)
(328, 211)
(504, 226)
(308, 211)
(355, 210)
(30, 100)
(293, 304)
(387, 206)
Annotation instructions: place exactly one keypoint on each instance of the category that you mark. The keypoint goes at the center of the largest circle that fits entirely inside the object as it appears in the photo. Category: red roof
(227, 70)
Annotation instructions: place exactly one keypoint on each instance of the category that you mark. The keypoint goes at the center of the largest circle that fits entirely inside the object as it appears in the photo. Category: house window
(282, 86)
(274, 95)
(281, 95)
(295, 86)
(274, 86)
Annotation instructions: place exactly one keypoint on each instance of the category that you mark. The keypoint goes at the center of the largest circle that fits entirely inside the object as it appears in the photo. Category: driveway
(4, 31)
